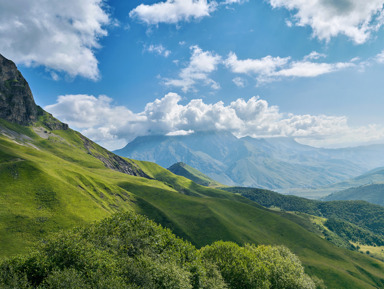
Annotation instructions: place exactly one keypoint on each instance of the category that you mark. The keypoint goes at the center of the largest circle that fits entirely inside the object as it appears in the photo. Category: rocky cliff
(16, 100)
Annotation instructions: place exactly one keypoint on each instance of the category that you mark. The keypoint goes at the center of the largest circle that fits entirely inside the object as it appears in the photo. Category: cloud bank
(60, 35)
(114, 126)
(355, 19)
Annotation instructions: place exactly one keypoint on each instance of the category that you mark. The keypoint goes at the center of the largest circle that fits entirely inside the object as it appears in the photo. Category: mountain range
(53, 178)
(273, 163)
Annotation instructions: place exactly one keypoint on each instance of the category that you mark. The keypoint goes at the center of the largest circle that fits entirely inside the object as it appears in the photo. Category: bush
(130, 251)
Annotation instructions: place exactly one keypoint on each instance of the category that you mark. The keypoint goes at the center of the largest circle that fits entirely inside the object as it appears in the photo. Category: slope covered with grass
(182, 169)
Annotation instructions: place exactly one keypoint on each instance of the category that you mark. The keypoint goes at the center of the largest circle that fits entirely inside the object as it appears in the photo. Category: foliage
(130, 251)
(353, 233)
(257, 267)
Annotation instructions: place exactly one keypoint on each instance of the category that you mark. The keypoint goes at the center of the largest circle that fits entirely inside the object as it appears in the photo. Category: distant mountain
(360, 183)
(273, 163)
(373, 193)
(182, 169)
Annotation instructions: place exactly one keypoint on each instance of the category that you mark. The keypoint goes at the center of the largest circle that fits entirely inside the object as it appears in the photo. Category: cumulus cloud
(356, 19)
(158, 49)
(113, 126)
(200, 65)
(173, 11)
(270, 68)
(60, 35)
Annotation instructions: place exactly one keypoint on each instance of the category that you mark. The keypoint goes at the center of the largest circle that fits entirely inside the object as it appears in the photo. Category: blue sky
(114, 70)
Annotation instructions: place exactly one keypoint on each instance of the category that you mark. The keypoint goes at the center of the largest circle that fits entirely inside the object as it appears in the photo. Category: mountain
(182, 169)
(53, 178)
(275, 163)
(373, 177)
(373, 193)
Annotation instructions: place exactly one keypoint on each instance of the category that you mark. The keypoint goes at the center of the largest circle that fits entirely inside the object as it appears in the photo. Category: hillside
(373, 193)
(182, 169)
(54, 178)
(364, 220)
(276, 163)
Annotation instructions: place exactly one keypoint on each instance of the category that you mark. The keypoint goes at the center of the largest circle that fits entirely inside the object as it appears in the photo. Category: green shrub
(130, 251)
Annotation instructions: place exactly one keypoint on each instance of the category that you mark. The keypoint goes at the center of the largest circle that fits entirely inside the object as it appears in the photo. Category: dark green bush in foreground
(130, 251)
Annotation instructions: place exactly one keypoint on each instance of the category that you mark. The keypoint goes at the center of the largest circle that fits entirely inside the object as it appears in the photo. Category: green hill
(373, 193)
(354, 221)
(184, 170)
(53, 178)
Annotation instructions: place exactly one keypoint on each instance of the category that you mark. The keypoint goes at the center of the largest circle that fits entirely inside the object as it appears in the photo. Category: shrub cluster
(130, 251)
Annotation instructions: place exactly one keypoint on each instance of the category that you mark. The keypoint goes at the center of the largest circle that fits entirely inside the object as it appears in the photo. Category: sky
(114, 70)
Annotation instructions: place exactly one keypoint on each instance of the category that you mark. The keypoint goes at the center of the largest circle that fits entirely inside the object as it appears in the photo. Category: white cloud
(180, 132)
(201, 64)
(60, 35)
(239, 82)
(173, 11)
(158, 49)
(314, 55)
(265, 65)
(356, 19)
(270, 68)
(227, 2)
(113, 126)
(310, 69)
(380, 57)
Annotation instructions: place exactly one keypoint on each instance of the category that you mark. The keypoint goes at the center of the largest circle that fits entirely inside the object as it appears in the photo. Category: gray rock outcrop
(16, 100)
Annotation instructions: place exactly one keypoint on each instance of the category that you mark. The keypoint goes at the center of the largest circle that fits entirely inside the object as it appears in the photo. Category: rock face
(112, 161)
(16, 100)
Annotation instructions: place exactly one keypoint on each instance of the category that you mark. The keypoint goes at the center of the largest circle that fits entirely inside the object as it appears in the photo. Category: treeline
(130, 251)
(356, 221)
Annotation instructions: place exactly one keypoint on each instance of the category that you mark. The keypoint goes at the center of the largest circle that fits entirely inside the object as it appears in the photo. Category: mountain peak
(16, 100)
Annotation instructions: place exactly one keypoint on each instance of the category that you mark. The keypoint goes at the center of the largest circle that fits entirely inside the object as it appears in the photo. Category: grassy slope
(182, 169)
(59, 185)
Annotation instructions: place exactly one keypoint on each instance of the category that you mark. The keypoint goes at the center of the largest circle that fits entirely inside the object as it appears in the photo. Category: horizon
(115, 71)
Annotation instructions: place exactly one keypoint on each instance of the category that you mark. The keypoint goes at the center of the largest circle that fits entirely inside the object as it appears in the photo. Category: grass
(59, 185)
(373, 251)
